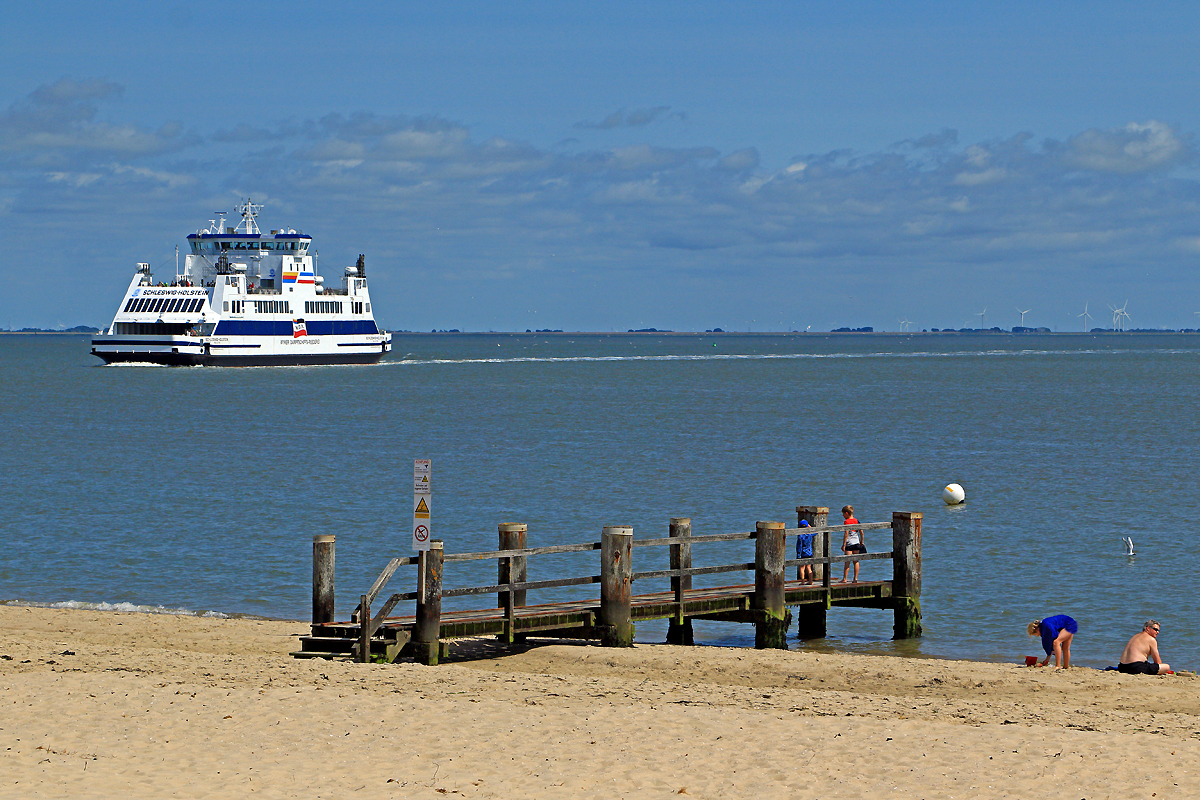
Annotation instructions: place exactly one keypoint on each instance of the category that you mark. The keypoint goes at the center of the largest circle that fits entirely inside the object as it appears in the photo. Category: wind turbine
(1122, 317)
(1119, 316)
(1086, 316)
(904, 322)
(1023, 313)
(981, 313)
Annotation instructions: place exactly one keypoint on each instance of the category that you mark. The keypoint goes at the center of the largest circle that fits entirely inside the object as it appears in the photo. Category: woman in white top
(853, 541)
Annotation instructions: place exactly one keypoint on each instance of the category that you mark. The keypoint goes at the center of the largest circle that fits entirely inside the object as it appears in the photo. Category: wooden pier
(611, 618)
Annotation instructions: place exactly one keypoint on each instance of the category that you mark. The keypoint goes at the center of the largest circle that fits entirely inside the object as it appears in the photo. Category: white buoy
(953, 494)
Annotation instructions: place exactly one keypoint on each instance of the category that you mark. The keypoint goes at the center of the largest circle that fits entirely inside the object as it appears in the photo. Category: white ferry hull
(238, 351)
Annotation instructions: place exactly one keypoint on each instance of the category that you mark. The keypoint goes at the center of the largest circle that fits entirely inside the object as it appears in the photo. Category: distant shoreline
(81, 331)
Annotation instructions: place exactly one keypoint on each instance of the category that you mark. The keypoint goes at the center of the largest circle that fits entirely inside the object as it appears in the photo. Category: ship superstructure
(244, 298)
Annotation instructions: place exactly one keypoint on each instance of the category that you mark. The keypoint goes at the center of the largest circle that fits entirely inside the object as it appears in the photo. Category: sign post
(422, 500)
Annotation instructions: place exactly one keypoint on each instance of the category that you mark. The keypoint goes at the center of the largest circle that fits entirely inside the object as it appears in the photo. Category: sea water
(198, 490)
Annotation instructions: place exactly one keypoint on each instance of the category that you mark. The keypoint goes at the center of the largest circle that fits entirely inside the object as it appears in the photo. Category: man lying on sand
(1141, 654)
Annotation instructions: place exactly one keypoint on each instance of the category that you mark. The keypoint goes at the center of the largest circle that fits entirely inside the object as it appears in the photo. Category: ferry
(244, 298)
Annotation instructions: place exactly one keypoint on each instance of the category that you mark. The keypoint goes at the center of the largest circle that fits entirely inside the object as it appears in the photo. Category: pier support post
(679, 630)
(427, 629)
(906, 574)
(811, 617)
(362, 652)
(770, 630)
(512, 536)
(616, 586)
(323, 594)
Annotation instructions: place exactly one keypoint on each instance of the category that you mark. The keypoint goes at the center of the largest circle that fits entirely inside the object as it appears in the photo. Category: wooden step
(390, 647)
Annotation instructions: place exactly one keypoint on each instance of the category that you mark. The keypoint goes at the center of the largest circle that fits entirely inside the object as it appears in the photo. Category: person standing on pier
(1057, 633)
(853, 541)
(804, 549)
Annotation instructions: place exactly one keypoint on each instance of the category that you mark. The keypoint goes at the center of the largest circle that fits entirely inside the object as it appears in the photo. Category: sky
(598, 167)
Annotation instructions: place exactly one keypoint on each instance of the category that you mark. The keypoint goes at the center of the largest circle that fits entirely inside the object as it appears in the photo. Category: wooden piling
(427, 628)
(679, 630)
(616, 586)
(906, 574)
(362, 653)
(811, 620)
(323, 593)
(512, 536)
(771, 624)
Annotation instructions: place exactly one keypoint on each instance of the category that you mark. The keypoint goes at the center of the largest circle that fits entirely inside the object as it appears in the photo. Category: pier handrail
(617, 575)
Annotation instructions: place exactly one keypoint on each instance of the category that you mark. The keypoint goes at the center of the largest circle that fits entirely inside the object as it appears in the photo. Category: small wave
(129, 608)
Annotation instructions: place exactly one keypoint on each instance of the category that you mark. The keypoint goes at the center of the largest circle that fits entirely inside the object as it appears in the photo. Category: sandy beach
(106, 704)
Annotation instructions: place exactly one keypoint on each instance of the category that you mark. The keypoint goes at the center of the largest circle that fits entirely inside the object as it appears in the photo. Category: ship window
(368, 308)
(225, 305)
(173, 306)
(152, 328)
(129, 305)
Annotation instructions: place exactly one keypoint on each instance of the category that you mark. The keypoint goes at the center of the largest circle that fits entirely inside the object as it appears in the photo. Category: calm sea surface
(200, 489)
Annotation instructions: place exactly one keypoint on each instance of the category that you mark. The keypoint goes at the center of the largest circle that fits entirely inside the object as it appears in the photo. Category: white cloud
(1135, 148)
(994, 175)
(434, 190)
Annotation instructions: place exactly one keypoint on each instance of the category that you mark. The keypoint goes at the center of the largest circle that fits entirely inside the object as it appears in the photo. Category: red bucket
(1031, 661)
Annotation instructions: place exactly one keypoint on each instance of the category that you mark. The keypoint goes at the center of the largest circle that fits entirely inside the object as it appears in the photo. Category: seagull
(1128, 545)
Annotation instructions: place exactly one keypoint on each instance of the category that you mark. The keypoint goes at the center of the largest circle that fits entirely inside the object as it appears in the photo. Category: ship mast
(249, 211)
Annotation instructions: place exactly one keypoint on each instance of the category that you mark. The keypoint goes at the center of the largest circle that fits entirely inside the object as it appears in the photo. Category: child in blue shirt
(804, 549)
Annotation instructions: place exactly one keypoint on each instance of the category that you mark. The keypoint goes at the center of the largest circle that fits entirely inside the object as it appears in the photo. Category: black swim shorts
(855, 548)
(1139, 668)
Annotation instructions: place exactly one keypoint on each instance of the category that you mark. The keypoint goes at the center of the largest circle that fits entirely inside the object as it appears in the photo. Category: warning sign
(422, 501)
